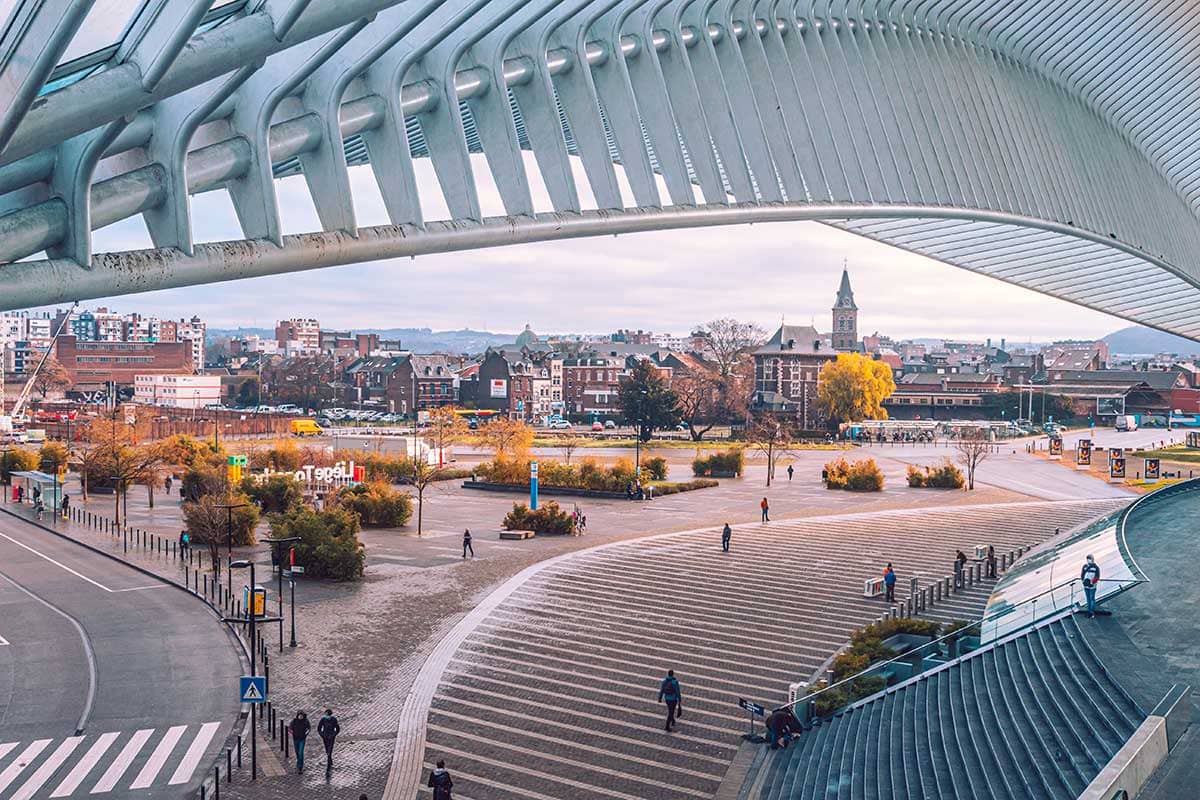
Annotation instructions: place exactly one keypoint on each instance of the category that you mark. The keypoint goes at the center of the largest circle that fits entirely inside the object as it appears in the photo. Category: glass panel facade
(1034, 588)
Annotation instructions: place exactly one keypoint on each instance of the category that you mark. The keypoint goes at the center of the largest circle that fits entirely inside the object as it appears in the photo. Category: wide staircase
(1033, 716)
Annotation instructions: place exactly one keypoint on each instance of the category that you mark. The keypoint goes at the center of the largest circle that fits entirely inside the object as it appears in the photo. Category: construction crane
(23, 395)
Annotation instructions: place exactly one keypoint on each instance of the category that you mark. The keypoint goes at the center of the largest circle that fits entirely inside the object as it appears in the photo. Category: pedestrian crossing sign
(252, 689)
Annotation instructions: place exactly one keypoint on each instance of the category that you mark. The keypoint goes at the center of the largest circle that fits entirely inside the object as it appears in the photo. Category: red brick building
(92, 364)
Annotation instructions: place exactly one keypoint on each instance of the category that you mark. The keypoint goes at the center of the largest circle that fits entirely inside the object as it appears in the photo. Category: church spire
(845, 295)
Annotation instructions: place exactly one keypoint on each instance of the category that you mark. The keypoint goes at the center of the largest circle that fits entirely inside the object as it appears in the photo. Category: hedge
(859, 476)
(274, 494)
(587, 474)
(946, 476)
(675, 487)
(723, 461)
(550, 518)
(377, 504)
(328, 546)
(866, 648)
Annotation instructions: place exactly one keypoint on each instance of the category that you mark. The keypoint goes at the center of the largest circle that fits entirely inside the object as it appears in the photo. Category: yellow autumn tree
(854, 387)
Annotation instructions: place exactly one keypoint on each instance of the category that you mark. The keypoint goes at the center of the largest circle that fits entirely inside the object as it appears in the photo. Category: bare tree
(973, 449)
(52, 377)
(568, 445)
(423, 474)
(729, 342)
(772, 437)
(698, 394)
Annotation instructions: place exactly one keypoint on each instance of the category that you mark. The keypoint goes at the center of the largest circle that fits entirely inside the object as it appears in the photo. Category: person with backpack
(670, 693)
(299, 728)
(1090, 575)
(467, 543)
(328, 729)
(766, 508)
(726, 535)
(889, 583)
(440, 782)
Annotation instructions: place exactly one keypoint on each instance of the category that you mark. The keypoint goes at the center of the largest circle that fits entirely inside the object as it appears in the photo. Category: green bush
(946, 476)
(587, 474)
(328, 546)
(858, 476)
(377, 504)
(655, 467)
(547, 519)
(17, 460)
(866, 648)
(732, 460)
(276, 493)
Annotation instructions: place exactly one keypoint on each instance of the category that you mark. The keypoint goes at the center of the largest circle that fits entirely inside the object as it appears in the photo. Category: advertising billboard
(499, 387)
(1116, 468)
(1152, 469)
(1110, 406)
(1056, 447)
(1083, 453)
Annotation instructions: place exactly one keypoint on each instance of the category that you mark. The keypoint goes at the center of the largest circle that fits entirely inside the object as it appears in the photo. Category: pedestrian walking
(20, 494)
(583, 523)
(991, 561)
(791, 472)
(328, 729)
(39, 507)
(185, 541)
(299, 727)
(766, 508)
(37, 494)
(889, 583)
(726, 535)
(440, 782)
(167, 484)
(467, 543)
(65, 505)
(1090, 575)
(670, 693)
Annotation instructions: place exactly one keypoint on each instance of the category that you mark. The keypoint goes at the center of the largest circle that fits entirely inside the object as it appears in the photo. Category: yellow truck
(306, 427)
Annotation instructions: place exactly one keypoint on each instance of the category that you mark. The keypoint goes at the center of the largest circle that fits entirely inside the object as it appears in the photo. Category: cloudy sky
(666, 281)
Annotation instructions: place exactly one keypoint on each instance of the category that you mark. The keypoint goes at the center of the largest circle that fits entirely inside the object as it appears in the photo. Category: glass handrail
(1029, 603)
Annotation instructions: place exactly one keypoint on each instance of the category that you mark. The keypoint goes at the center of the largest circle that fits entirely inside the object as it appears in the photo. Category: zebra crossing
(116, 764)
(553, 694)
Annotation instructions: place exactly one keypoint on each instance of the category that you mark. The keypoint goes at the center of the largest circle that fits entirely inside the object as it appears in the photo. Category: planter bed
(564, 491)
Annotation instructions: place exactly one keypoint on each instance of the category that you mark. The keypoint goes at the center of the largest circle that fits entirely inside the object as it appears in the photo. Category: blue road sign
(252, 689)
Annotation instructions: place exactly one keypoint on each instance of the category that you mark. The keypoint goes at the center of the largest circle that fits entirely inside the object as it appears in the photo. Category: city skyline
(561, 286)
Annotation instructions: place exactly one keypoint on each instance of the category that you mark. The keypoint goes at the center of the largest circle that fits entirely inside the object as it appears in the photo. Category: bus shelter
(49, 485)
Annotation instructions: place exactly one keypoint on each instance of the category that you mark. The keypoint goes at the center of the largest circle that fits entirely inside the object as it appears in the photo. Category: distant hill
(421, 340)
(1136, 340)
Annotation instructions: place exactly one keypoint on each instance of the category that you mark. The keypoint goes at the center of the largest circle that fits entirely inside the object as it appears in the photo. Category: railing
(932, 647)
(1192, 484)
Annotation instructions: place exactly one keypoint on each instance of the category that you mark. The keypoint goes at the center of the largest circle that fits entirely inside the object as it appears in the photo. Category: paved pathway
(553, 694)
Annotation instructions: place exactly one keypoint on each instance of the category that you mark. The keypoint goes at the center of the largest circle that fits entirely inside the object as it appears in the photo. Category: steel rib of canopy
(1049, 144)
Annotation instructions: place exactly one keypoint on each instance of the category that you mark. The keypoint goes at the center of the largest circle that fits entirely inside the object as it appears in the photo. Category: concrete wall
(1133, 764)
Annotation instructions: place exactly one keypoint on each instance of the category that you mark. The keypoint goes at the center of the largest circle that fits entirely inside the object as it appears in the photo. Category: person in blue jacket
(1090, 575)
(889, 583)
(670, 693)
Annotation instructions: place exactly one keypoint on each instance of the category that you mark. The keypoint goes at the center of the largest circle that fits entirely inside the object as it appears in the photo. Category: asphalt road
(112, 684)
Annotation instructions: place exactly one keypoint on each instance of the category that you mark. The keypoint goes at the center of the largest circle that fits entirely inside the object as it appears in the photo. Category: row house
(592, 384)
(424, 382)
(786, 369)
(503, 383)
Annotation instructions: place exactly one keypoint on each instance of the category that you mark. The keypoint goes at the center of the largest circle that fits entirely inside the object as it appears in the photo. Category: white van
(1126, 422)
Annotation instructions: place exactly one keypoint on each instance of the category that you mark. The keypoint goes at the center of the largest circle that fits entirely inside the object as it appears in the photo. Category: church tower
(845, 317)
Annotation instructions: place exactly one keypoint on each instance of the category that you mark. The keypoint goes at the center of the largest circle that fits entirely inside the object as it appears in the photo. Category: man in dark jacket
(328, 729)
(467, 543)
(670, 693)
(1090, 575)
(726, 535)
(300, 726)
(439, 781)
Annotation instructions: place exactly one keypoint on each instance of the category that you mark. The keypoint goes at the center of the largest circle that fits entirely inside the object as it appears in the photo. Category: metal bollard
(939, 591)
(217, 782)
(206, 584)
(202, 788)
(239, 749)
(228, 761)
(978, 573)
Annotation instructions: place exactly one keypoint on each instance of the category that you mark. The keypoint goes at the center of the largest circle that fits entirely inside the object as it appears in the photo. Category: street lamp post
(7, 470)
(637, 436)
(250, 609)
(279, 560)
(229, 507)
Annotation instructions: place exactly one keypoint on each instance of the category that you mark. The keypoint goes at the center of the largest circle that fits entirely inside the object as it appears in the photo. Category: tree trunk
(420, 509)
(150, 493)
(83, 484)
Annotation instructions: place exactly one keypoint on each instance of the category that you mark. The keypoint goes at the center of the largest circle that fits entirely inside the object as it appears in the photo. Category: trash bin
(260, 600)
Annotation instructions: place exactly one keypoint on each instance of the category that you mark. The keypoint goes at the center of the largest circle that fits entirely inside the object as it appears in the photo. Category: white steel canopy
(1049, 143)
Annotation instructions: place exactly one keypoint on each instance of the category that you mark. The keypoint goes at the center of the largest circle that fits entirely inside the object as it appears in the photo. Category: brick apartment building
(92, 364)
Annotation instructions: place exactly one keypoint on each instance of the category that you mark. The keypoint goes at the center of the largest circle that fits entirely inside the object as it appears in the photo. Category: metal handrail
(978, 623)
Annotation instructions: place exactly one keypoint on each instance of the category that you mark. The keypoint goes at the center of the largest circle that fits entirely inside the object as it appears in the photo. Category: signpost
(754, 709)
(1056, 448)
(1152, 469)
(252, 689)
(533, 485)
(1083, 454)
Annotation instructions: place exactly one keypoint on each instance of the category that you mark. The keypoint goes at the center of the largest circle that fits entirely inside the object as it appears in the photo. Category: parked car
(609, 425)
(560, 425)
(597, 426)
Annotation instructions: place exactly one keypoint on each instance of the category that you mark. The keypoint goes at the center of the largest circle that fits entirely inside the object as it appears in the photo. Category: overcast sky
(667, 281)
